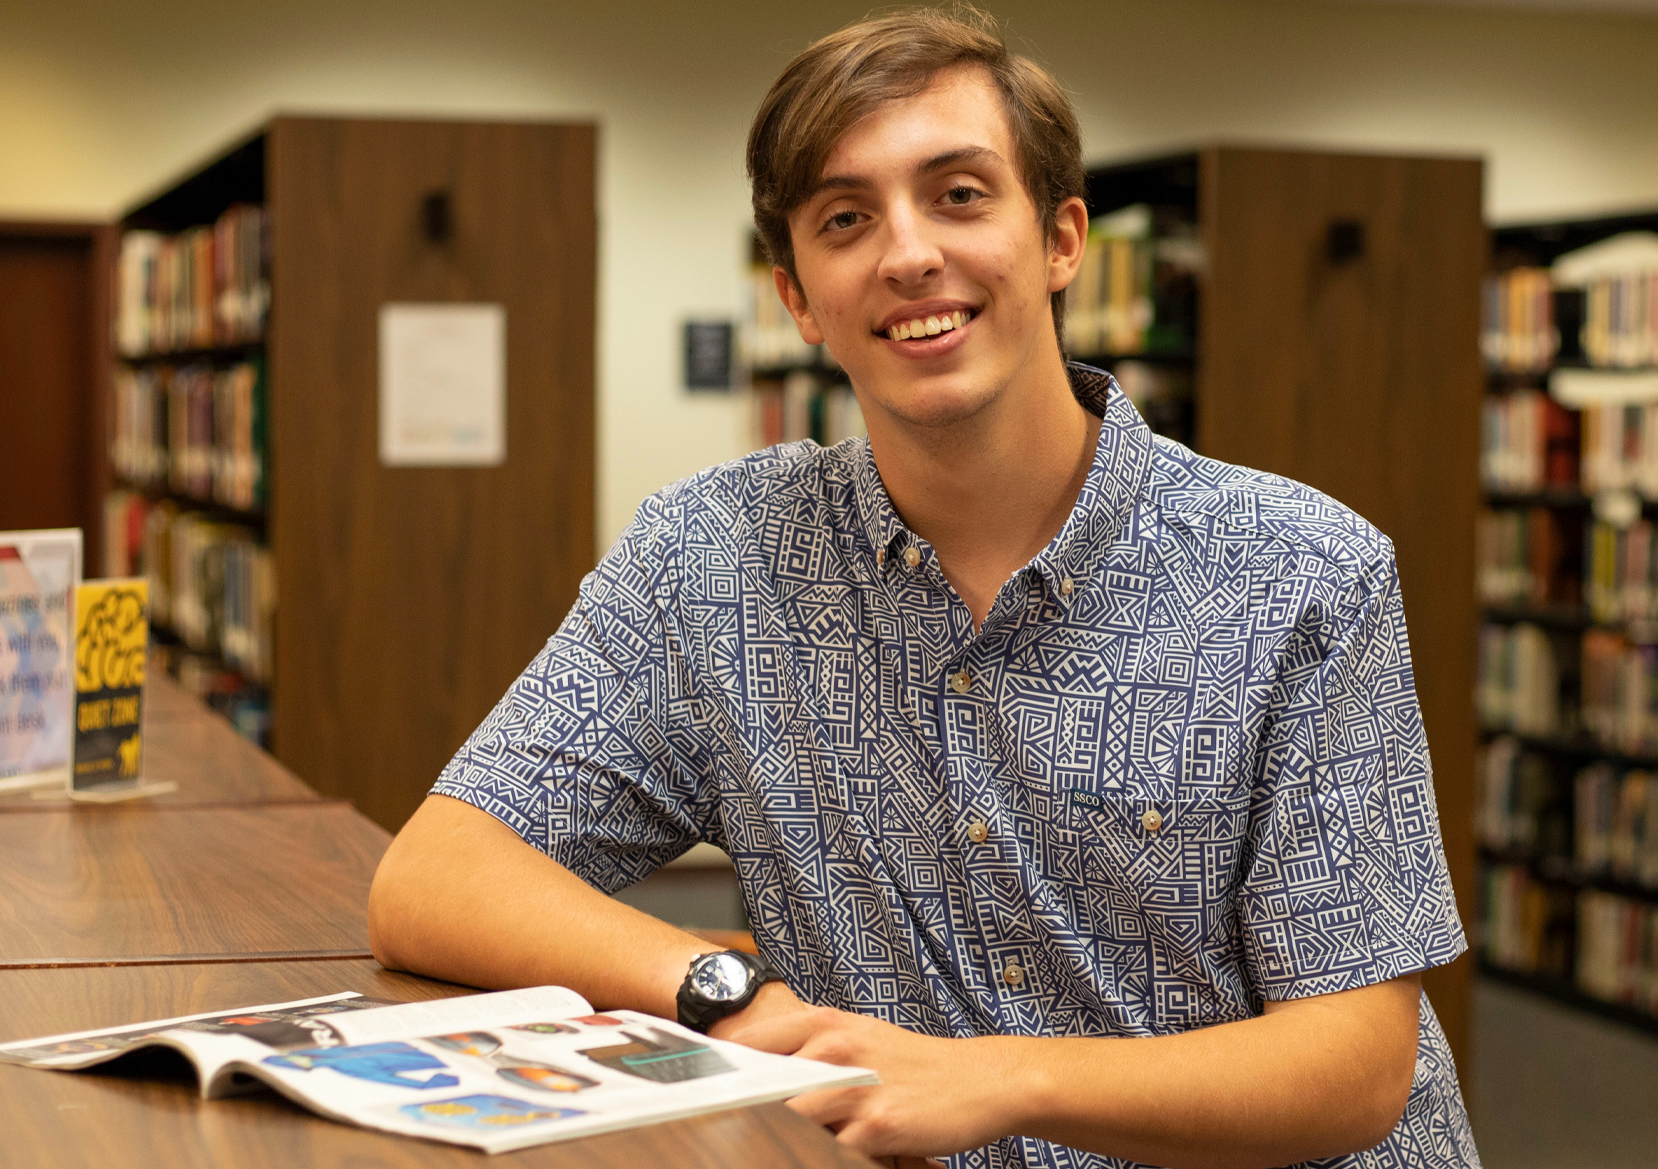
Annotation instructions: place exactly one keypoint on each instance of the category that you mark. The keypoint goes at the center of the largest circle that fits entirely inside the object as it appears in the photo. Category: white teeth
(928, 326)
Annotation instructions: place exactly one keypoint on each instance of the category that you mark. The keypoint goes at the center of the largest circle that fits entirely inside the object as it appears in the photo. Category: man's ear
(795, 301)
(1070, 238)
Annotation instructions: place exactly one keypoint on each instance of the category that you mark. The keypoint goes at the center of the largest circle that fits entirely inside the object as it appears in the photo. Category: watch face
(720, 978)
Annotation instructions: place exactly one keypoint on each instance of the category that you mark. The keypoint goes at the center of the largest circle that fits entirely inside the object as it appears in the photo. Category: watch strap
(699, 1013)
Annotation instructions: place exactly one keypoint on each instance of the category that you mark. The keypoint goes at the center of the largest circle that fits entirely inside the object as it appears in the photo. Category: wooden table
(188, 744)
(241, 888)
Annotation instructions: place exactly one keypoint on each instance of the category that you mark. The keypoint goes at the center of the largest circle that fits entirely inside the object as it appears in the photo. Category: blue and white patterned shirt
(1179, 770)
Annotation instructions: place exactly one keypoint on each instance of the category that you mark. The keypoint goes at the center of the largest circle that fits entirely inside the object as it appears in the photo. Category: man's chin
(939, 410)
(932, 403)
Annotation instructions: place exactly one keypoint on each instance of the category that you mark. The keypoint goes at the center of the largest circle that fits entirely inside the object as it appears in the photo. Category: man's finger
(830, 1107)
(784, 1034)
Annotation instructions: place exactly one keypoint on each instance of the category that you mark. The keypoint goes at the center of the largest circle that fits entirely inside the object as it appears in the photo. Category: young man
(1076, 781)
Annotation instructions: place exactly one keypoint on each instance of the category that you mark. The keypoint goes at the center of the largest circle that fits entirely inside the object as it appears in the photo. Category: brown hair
(840, 80)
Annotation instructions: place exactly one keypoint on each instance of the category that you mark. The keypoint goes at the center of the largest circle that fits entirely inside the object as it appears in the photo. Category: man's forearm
(459, 896)
(1315, 1077)
(1312, 1078)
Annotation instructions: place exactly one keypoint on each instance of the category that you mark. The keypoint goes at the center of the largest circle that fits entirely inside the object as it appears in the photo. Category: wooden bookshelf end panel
(411, 597)
(1340, 347)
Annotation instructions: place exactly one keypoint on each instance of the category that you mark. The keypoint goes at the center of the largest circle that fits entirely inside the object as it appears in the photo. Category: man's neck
(991, 491)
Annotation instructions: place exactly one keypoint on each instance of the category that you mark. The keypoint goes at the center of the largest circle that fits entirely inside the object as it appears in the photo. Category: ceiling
(1625, 7)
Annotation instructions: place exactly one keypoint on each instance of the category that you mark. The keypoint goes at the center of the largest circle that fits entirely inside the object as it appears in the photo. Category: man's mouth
(921, 328)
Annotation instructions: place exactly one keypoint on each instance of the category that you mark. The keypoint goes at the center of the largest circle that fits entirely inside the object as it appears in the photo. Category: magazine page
(463, 1013)
(209, 1040)
(529, 1078)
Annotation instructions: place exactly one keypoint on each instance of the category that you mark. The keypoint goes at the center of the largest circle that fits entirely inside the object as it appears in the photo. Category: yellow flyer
(112, 630)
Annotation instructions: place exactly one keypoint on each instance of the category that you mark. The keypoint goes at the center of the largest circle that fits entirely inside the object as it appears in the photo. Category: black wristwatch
(721, 984)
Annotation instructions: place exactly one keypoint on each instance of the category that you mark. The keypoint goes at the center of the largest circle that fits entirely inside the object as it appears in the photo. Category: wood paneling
(113, 883)
(150, 1115)
(53, 325)
(410, 597)
(1361, 377)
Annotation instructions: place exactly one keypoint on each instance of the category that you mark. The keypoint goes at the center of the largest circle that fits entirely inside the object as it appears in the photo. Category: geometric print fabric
(1179, 770)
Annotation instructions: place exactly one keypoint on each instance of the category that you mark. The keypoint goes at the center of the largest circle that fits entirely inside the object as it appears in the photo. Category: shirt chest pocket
(1159, 867)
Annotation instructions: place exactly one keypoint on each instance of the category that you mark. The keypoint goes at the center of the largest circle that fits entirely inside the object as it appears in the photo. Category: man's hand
(936, 1095)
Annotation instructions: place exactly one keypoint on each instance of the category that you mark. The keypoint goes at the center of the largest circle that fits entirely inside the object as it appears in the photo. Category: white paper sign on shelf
(38, 575)
(1580, 388)
(443, 385)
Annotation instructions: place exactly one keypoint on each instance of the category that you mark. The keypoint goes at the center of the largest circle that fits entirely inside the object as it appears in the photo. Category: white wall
(102, 102)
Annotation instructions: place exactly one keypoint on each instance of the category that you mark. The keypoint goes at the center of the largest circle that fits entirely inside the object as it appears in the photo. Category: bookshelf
(1568, 810)
(367, 616)
(1315, 315)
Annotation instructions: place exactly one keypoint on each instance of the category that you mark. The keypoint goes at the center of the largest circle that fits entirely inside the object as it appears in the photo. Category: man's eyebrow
(837, 183)
(945, 161)
(953, 158)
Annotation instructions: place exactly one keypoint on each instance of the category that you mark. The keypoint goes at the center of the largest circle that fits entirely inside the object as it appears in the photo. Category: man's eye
(841, 220)
(960, 196)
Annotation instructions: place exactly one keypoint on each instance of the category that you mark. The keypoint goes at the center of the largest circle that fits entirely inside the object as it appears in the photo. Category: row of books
(245, 704)
(1619, 692)
(1620, 320)
(1529, 556)
(804, 404)
(1620, 582)
(1620, 449)
(1519, 334)
(1518, 687)
(1617, 949)
(193, 429)
(1605, 944)
(213, 584)
(1136, 289)
(1528, 443)
(1528, 925)
(1608, 828)
(768, 337)
(1615, 817)
(198, 288)
(1518, 681)
(1517, 807)
(1163, 394)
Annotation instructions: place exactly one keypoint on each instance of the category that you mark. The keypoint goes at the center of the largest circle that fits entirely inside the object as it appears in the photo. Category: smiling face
(922, 260)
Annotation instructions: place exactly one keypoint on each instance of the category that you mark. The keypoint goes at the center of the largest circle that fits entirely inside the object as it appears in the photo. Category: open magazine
(495, 1071)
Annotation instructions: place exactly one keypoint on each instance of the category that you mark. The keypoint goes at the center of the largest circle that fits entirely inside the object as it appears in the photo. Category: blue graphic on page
(484, 1112)
(379, 1063)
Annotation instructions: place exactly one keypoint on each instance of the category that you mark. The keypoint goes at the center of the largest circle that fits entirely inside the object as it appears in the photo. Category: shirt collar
(1122, 461)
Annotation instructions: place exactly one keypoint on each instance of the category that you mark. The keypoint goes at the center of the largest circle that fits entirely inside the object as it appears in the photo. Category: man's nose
(911, 254)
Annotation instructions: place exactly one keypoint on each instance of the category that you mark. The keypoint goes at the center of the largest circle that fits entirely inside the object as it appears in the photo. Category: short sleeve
(1345, 882)
(581, 757)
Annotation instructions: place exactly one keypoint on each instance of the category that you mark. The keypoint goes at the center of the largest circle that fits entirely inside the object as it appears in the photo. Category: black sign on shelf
(708, 353)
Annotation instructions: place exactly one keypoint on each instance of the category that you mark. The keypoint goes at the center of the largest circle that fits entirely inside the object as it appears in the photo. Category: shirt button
(978, 831)
(1066, 586)
(960, 682)
(1152, 820)
(880, 557)
(912, 556)
(1013, 974)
